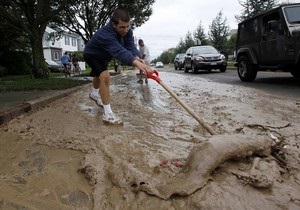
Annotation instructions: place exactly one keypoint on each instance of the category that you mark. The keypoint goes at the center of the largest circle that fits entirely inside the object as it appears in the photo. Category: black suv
(204, 57)
(269, 41)
(179, 61)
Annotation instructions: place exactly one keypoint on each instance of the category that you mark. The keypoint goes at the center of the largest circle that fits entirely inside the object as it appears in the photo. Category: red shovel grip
(154, 76)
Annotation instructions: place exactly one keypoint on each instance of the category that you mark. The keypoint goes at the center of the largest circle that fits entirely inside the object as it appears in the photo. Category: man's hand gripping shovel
(155, 77)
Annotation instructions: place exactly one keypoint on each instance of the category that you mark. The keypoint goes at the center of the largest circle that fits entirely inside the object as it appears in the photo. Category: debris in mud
(203, 160)
(175, 162)
(262, 173)
(124, 167)
(89, 173)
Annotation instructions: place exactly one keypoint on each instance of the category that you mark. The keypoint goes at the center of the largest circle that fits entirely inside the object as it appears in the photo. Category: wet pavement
(14, 98)
(64, 157)
(16, 103)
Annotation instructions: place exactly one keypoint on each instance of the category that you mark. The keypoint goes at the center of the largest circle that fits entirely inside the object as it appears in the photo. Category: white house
(55, 47)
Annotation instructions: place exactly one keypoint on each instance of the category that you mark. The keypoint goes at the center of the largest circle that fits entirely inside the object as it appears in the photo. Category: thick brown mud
(64, 157)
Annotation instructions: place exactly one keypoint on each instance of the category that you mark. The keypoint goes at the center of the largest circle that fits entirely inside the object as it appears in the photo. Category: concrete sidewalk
(14, 104)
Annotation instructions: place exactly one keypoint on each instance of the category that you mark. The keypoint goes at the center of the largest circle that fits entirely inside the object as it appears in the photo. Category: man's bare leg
(108, 115)
(95, 94)
(104, 83)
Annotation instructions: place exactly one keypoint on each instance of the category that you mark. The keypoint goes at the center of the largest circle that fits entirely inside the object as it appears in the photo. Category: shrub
(16, 62)
(3, 71)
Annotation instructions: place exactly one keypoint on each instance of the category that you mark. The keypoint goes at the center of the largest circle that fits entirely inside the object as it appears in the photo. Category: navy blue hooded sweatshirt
(106, 44)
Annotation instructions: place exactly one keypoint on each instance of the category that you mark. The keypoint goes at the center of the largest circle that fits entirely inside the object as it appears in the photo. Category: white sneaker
(97, 99)
(111, 118)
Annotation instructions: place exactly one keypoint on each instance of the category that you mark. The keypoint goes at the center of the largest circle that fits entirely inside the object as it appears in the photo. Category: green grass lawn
(19, 83)
(56, 81)
(230, 64)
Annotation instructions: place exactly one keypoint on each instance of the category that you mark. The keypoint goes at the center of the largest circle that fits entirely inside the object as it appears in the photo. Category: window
(74, 42)
(248, 30)
(67, 40)
(55, 56)
(293, 14)
(267, 22)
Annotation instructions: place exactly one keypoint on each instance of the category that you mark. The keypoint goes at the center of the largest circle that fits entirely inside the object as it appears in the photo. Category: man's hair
(120, 14)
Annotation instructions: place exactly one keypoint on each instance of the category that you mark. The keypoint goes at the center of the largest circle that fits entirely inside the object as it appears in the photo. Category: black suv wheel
(246, 71)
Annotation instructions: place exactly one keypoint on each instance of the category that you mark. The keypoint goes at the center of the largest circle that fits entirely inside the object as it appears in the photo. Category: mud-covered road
(64, 157)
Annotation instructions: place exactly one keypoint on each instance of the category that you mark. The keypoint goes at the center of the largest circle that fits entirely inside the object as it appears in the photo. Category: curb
(33, 105)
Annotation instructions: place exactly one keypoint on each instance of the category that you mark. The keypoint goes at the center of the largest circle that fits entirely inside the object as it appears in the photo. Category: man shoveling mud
(114, 40)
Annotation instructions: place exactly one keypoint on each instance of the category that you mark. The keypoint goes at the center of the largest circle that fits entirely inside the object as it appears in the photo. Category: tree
(180, 48)
(189, 40)
(199, 34)
(12, 45)
(230, 44)
(11, 38)
(253, 7)
(218, 32)
(167, 56)
(85, 17)
(32, 17)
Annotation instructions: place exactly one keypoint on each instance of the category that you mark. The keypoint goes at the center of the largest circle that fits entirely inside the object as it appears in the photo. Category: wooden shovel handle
(188, 109)
(185, 106)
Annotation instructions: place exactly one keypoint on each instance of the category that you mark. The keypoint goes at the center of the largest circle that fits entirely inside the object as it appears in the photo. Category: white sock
(95, 91)
(107, 109)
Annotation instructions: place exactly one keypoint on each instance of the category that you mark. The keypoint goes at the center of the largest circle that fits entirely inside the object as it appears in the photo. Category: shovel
(188, 109)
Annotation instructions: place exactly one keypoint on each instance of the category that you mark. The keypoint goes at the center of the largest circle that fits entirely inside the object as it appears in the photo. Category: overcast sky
(172, 19)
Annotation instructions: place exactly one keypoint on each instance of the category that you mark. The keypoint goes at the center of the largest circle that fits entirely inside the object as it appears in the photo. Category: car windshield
(181, 56)
(292, 14)
(205, 50)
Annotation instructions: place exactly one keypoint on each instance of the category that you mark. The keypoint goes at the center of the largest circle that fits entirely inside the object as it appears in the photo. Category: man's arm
(142, 66)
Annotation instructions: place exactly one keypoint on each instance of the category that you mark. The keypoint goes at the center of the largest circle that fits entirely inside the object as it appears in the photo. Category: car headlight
(222, 57)
(199, 58)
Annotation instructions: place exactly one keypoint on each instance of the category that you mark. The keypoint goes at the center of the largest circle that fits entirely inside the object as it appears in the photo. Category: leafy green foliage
(31, 18)
(218, 32)
(253, 7)
(218, 37)
(199, 34)
(17, 62)
(85, 17)
(11, 38)
(230, 45)
(3, 71)
(166, 57)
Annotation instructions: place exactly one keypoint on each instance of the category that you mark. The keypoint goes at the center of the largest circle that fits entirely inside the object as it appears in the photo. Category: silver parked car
(159, 64)
(54, 67)
(204, 57)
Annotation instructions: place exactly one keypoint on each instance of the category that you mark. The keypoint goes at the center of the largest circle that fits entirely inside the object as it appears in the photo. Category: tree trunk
(39, 70)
